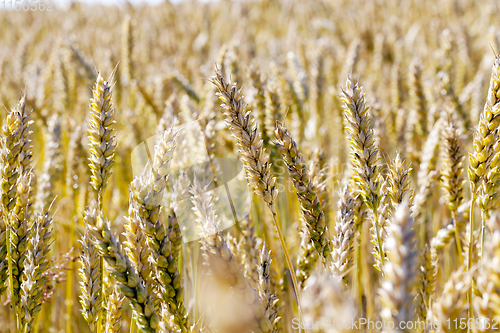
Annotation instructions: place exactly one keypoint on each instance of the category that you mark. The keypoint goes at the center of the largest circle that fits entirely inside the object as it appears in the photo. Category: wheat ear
(15, 157)
(306, 192)
(250, 250)
(451, 174)
(483, 161)
(90, 282)
(269, 299)
(102, 142)
(442, 238)
(114, 313)
(135, 243)
(426, 285)
(123, 272)
(399, 179)
(35, 266)
(147, 193)
(364, 152)
(396, 292)
(417, 97)
(452, 305)
(426, 176)
(343, 242)
(256, 163)
(384, 212)
(19, 236)
(307, 258)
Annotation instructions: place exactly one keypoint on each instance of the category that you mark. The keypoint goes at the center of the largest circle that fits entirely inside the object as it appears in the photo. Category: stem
(37, 323)
(367, 281)
(69, 281)
(102, 315)
(457, 237)
(485, 215)
(100, 194)
(379, 239)
(287, 256)
(359, 271)
(11, 276)
(471, 244)
(101, 319)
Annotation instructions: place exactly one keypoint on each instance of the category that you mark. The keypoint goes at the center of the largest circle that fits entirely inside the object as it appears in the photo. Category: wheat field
(251, 166)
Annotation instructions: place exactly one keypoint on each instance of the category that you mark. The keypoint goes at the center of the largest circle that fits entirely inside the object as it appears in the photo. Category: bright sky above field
(111, 2)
